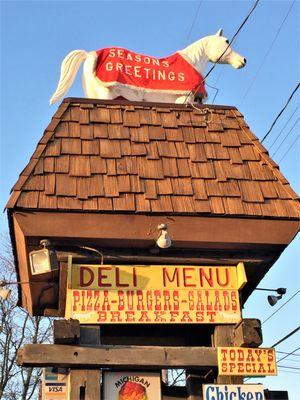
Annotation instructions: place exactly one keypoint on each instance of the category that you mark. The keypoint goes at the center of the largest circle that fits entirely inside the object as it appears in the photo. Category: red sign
(173, 74)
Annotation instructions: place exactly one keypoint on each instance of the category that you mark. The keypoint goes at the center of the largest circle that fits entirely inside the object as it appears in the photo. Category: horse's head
(218, 50)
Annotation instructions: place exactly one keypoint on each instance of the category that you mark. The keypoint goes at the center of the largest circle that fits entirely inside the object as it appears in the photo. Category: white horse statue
(116, 72)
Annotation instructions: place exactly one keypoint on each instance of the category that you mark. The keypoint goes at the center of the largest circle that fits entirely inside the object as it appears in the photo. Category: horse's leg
(104, 93)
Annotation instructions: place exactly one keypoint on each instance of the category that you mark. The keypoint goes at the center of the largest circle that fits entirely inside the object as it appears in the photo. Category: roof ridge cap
(82, 100)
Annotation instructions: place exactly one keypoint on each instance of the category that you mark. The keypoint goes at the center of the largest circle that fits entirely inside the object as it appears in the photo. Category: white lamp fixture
(164, 241)
(43, 261)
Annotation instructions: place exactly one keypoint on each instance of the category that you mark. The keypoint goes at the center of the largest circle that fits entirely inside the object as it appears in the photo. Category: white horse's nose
(245, 60)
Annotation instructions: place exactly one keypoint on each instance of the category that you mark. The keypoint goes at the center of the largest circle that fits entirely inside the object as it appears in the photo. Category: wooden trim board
(185, 231)
(42, 355)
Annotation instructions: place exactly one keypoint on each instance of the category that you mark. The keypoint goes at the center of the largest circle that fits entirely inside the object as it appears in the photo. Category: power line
(285, 125)
(297, 137)
(285, 352)
(288, 354)
(233, 38)
(221, 72)
(287, 372)
(278, 309)
(281, 111)
(286, 136)
(194, 21)
(280, 341)
(289, 367)
(267, 53)
(287, 336)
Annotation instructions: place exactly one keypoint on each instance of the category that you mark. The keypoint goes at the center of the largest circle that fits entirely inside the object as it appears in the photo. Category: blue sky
(36, 36)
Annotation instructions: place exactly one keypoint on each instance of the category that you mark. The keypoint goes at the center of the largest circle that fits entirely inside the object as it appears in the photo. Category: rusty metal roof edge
(124, 102)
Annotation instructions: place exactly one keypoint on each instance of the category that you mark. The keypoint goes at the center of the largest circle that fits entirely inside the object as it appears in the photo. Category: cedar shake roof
(114, 156)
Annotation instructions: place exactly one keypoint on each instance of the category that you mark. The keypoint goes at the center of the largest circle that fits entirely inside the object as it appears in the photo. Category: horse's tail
(69, 68)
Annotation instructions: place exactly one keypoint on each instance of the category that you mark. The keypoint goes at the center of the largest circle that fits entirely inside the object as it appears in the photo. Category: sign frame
(154, 294)
(156, 375)
(266, 359)
(227, 386)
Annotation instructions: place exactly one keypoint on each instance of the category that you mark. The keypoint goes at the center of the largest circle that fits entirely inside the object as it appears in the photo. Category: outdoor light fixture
(164, 241)
(45, 260)
(272, 300)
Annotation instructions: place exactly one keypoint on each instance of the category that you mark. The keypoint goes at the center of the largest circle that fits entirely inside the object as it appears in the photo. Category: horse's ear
(220, 32)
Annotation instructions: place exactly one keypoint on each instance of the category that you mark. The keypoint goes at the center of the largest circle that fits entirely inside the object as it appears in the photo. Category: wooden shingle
(110, 184)
(183, 167)
(162, 204)
(251, 192)
(100, 114)
(48, 164)
(100, 131)
(86, 131)
(65, 185)
(164, 186)
(131, 119)
(117, 131)
(150, 189)
(50, 184)
(124, 184)
(140, 134)
(152, 169)
(182, 186)
(125, 202)
(110, 149)
(197, 152)
(70, 146)
(169, 166)
(105, 156)
(80, 166)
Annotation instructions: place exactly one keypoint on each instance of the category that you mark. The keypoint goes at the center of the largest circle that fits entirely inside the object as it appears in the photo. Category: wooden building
(105, 174)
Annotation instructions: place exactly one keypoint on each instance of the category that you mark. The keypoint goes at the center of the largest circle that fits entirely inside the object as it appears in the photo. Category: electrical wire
(278, 309)
(285, 352)
(280, 113)
(286, 136)
(194, 21)
(288, 372)
(288, 354)
(280, 341)
(287, 336)
(231, 41)
(267, 53)
(297, 137)
(283, 128)
(221, 69)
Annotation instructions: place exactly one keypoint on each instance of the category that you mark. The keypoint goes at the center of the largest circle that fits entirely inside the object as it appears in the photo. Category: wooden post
(248, 333)
(194, 383)
(223, 336)
(85, 384)
(66, 331)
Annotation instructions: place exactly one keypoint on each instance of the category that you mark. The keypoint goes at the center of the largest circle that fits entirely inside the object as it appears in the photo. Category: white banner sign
(233, 392)
(132, 385)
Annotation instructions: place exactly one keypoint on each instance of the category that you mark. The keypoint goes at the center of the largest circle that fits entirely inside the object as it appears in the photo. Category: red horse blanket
(171, 74)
